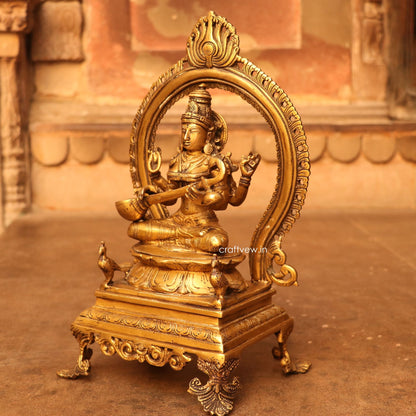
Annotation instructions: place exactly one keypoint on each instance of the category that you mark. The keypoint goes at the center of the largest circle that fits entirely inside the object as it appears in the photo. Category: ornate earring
(208, 148)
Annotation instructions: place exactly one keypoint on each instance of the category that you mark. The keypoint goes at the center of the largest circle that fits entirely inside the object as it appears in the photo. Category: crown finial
(213, 43)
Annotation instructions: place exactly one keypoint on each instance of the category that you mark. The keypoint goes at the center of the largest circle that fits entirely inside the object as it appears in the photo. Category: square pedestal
(163, 329)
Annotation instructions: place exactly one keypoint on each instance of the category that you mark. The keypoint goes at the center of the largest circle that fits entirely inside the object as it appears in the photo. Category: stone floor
(354, 313)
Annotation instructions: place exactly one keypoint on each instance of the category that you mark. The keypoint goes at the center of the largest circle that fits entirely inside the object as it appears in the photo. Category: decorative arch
(212, 58)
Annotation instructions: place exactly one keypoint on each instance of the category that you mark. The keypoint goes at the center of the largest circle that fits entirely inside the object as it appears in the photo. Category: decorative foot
(83, 365)
(217, 395)
(281, 353)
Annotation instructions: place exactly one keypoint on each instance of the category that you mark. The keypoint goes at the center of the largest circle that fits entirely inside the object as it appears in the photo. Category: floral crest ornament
(213, 43)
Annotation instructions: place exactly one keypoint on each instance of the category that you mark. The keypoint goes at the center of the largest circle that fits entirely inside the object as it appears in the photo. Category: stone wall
(343, 63)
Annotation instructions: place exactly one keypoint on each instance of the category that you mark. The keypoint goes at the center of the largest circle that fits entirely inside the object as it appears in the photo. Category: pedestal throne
(182, 295)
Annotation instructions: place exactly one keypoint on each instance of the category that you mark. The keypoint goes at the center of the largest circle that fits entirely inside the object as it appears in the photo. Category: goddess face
(194, 136)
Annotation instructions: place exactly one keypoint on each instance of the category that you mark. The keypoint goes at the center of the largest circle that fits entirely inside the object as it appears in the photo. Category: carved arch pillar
(369, 69)
(14, 141)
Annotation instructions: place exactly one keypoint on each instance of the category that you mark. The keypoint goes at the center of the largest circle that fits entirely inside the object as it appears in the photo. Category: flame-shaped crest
(213, 43)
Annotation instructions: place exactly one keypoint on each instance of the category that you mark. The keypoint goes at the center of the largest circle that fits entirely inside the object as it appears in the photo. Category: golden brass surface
(182, 295)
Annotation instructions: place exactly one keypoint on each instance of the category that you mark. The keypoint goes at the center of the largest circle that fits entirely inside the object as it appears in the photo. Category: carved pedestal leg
(217, 395)
(281, 353)
(83, 365)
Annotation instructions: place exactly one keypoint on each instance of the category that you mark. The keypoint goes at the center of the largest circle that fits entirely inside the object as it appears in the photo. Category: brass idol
(182, 295)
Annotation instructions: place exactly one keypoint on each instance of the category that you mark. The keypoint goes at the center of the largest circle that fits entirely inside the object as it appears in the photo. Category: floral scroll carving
(286, 275)
(157, 325)
(152, 354)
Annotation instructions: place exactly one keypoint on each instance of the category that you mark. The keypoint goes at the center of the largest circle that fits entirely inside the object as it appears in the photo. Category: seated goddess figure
(202, 175)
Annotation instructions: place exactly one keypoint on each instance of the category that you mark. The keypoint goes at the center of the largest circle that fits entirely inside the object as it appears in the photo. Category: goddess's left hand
(248, 164)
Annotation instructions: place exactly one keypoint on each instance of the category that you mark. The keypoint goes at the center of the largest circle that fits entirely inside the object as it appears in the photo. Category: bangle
(245, 181)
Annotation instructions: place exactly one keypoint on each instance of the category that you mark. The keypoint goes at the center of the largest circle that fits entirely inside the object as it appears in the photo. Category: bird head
(102, 250)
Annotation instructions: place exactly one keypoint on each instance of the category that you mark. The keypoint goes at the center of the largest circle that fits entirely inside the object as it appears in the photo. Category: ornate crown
(199, 108)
